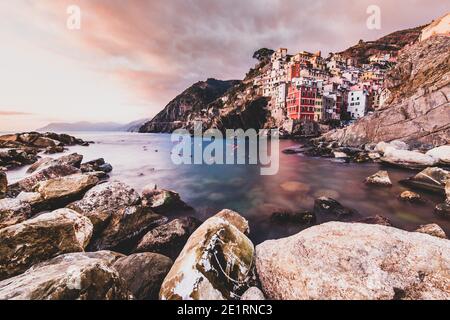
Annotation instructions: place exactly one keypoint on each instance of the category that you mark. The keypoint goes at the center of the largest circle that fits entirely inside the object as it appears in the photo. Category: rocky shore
(68, 232)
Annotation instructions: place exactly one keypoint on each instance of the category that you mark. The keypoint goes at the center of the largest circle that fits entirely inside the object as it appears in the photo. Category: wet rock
(215, 264)
(296, 217)
(144, 273)
(13, 211)
(3, 184)
(73, 276)
(34, 199)
(327, 209)
(430, 179)
(253, 294)
(124, 228)
(409, 196)
(14, 158)
(55, 149)
(39, 164)
(443, 210)
(377, 219)
(306, 266)
(169, 239)
(42, 238)
(294, 150)
(59, 192)
(432, 230)
(381, 178)
(55, 171)
(442, 154)
(374, 156)
(96, 165)
(65, 139)
(162, 201)
(73, 160)
(42, 142)
(408, 159)
(362, 157)
(104, 200)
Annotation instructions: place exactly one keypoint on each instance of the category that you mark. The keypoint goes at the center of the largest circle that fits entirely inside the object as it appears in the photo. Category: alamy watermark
(374, 20)
(237, 147)
(74, 17)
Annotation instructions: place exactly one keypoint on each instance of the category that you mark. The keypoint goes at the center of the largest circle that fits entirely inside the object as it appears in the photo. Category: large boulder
(144, 273)
(55, 171)
(354, 261)
(59, 192)
(381, 178)
(73, 160)
(3, 184)
(168, 239)
(441, 153)
(215, 264)
(102, 201)
(408, 159)
(13, 211)
(44, 237)
(124, 228)
(430, 179)
(73, 276)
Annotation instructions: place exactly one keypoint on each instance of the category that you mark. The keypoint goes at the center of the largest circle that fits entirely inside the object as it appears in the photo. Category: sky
(130, 58)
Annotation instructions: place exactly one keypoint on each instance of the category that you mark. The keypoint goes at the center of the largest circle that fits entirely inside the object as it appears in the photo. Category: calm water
(141, 159)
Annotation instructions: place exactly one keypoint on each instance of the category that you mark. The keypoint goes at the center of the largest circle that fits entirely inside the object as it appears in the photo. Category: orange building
(301, 100)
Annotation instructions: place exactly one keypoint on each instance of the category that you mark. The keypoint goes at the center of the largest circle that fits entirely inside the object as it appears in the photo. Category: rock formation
(354, 261)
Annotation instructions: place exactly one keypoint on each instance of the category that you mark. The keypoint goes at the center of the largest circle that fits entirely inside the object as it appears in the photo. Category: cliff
(217, 104)
(187, 106)
(391, 43)
(418, 110)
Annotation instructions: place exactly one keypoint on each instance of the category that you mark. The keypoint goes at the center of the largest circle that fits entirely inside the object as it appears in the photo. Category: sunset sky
(130, 58)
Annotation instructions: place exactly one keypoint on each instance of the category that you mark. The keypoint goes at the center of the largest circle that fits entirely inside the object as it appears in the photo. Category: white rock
(354, 261)
(340, 155)
(383, 147)
(410, 159)
(442, 154)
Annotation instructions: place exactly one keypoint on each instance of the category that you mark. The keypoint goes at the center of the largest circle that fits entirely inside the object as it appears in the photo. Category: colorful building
(301, 99)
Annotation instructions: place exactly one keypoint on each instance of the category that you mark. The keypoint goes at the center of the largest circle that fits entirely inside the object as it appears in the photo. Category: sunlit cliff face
(129, 59)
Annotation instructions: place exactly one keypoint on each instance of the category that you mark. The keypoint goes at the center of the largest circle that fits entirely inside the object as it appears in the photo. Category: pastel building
(357, 102)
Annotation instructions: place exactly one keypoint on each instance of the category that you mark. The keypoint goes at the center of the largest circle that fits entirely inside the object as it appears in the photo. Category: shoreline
(139, 230)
